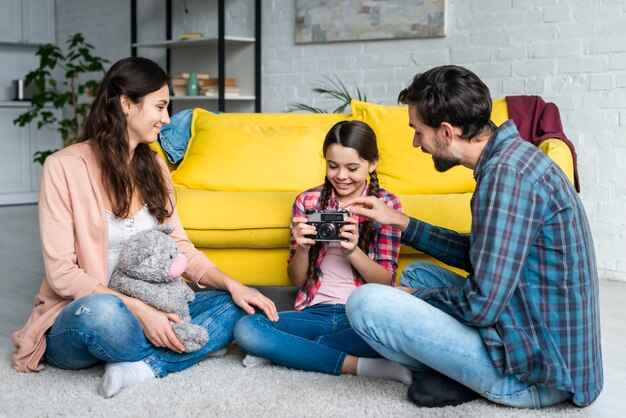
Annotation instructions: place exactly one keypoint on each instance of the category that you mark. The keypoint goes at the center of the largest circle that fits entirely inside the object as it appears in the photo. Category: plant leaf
(77, 61)
(334, 90)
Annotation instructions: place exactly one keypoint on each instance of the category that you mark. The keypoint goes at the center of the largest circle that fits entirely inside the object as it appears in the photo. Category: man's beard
(442, 161)
(445, 163)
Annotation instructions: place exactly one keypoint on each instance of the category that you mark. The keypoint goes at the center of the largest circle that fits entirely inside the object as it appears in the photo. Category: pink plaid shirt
(384, 248)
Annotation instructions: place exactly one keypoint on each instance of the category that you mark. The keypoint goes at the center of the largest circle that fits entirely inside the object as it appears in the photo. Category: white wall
(572, 53)
(104, 24)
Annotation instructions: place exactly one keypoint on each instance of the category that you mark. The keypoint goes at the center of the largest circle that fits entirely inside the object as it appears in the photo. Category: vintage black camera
(328, 224)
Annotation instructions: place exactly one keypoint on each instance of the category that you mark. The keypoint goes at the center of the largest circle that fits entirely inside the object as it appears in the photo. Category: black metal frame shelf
(221, 40)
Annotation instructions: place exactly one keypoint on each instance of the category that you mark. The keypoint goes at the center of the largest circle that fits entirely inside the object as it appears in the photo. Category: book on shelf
(185, 76)
(208, 85)
(229, 91)
(213, 82)
(190, 35)
(179, 90)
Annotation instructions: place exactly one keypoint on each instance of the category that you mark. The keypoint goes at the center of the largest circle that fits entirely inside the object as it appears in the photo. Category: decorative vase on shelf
(192, 85)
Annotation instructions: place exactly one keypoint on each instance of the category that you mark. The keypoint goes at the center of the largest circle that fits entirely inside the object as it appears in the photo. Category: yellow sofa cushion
(236, 220)
(297, 120)
(402, 169)
(450, 211)
(225, 154)
(224, 219)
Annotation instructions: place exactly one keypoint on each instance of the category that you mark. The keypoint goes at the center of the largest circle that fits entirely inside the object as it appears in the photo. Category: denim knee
(363, 302)
(99, 312)
(95, 327)
(248, 332)
(418, 274)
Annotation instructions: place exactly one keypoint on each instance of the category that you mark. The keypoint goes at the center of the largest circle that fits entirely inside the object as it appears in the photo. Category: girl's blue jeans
(317, 338)
(405, 329)
(98, 328)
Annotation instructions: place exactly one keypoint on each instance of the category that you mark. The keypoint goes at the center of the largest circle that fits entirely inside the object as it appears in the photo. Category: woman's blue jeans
(405, 329)
(317, 338)
(100, 327)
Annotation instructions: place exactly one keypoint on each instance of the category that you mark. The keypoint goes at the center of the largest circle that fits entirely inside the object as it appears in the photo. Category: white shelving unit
(195, 42)
(220, 56)
(27, 21)
(19, 175)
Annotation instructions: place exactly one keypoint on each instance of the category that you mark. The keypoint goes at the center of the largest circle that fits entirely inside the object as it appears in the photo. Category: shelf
(15, 103)
(227, 97)
(194, 42)
(217, 54)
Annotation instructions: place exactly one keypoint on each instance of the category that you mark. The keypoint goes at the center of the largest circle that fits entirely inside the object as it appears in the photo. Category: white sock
(120, 375)
(218, 353)
(381, 367)
(253, 361)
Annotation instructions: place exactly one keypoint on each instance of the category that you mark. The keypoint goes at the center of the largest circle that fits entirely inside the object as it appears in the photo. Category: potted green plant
(63, 81)
(332, 89)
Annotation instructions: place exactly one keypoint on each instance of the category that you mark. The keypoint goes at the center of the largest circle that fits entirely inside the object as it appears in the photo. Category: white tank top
(121, 229)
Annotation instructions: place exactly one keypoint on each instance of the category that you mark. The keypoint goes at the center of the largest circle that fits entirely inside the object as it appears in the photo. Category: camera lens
(327, 231)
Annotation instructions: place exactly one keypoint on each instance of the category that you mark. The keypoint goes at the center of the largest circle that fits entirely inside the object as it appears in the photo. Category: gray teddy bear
(149, 269)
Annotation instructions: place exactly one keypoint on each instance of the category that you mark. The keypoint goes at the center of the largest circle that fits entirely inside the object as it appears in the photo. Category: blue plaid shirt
(532, 288)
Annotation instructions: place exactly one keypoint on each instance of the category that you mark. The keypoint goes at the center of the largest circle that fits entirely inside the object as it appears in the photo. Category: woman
(94, 195)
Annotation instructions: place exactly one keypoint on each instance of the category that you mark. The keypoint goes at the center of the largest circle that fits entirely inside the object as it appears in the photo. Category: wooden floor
(22, 270)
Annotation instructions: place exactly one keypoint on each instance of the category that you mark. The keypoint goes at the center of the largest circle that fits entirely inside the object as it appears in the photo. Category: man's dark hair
(450, 94)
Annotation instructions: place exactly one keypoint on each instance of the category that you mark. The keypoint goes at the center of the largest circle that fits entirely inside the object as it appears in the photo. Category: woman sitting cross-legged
(94, 196)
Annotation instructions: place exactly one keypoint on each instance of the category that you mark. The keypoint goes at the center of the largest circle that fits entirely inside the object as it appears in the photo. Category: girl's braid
(314, 251)
(367, 231)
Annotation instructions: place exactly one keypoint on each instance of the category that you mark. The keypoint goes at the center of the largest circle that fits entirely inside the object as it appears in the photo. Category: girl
(94, 195)
(317, 335)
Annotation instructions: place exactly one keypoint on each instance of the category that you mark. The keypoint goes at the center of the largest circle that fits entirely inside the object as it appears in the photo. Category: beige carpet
(223, 387)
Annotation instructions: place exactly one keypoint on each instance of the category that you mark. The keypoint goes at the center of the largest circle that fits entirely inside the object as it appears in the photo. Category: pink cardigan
(74, 242)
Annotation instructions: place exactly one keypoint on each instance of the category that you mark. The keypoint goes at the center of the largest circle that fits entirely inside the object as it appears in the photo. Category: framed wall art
(351, 20)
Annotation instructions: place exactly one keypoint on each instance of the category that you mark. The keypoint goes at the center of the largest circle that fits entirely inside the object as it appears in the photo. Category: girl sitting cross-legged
(317, 335)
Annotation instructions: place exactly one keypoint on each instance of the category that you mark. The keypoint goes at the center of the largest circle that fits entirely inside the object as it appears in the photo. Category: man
(522, 329)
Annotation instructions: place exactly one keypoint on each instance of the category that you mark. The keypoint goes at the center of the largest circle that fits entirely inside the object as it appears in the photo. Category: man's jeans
(405, 329)
(314, 339)
(98, 328)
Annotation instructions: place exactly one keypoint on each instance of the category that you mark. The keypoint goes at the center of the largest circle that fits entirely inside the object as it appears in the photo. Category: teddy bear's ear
(165, 228)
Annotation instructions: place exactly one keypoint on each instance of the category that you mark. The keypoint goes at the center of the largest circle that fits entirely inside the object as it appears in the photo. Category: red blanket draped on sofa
(537, 120)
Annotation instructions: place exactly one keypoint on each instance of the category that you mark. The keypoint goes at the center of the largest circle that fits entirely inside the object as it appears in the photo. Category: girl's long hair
(106, 126)
(361, 137)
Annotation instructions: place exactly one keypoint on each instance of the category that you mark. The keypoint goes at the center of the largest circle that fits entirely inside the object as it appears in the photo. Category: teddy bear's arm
(163, 296)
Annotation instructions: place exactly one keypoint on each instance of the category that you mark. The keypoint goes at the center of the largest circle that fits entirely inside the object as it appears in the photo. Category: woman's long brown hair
(361, 137)
(106, 126)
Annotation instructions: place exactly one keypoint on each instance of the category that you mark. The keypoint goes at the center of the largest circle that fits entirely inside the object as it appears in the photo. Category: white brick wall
(570, 52)
(104, 24)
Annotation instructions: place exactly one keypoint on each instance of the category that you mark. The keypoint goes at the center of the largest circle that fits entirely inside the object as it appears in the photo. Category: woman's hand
(301, 232)
(245, 298)
(156, 325)
(351, 233)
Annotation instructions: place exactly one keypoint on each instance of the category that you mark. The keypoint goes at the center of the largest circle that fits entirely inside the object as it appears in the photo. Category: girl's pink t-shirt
(337, 278)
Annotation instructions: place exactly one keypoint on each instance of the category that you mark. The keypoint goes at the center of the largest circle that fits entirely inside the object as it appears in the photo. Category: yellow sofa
(241, 172)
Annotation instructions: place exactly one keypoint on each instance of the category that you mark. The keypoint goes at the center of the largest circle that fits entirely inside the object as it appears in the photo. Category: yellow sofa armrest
(560, 154)
(553, 147)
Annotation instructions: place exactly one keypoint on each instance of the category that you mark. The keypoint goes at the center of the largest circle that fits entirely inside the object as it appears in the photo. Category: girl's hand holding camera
(302, 233)
(351, 233)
